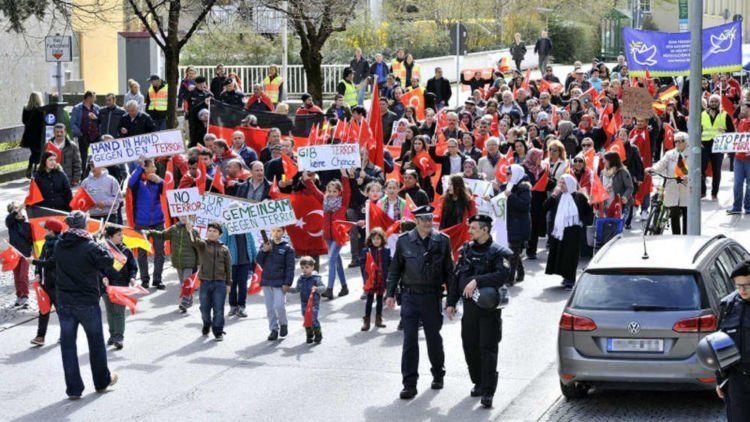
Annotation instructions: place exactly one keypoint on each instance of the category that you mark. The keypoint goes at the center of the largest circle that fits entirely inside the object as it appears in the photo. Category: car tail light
(570, 322)
(567, 377)
(703, 324)
(708, 380)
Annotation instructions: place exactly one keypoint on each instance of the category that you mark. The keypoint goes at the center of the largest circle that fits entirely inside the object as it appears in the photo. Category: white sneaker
(644, 215)
(23, 302)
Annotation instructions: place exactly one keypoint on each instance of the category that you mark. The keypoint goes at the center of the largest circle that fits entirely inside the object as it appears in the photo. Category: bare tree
(315, 21)
(166, 34)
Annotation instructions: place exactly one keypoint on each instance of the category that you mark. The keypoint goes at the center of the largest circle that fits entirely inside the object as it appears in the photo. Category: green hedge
(573, 41)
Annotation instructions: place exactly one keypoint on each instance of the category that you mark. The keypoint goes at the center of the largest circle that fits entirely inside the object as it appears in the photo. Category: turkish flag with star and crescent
(307, 234)
(415, 98)
(82, 200)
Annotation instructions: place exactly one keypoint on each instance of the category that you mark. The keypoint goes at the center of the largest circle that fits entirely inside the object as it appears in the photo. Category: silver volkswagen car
(636, 314)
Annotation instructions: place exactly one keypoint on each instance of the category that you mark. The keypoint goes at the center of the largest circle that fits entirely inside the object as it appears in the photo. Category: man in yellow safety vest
(156, 102)
(398, 62)
(714, 122)
(273, 84)
(347, 88)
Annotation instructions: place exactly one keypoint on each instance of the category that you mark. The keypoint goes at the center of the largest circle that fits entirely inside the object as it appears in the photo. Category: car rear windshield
(639, 292)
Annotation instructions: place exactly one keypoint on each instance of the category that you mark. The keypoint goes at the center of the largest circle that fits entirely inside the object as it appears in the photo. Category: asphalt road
(169, 370)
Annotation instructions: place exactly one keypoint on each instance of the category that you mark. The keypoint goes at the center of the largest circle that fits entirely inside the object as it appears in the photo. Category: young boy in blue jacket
(310, 283)
(277, 260)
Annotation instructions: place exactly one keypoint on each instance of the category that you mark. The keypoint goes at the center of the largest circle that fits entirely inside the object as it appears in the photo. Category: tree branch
(139, 13)
(199, 20)
(156, 18)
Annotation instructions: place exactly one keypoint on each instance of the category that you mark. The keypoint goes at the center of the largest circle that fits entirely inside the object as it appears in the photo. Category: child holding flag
(122, 273)
(19, 237)
(45, 270)
(184, 255)
(374, 260)
(310, 287)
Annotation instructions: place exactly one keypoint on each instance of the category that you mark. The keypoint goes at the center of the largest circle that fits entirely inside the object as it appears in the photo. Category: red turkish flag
(307, 233)
(200, 181)
(503, 164)
(378, 218)
(190, 285)
(341, 130)
(308, 319)
(619, 147)
(35, 195)
(42, 298)
(218, 183)
(375, 124)
(526, 80)
(415, 98)
(290, 167)
(82, 201)
(543, 85)
(458, 234)
(120, 298)
(371, 271)
(254, 287)
(614, 210)
(588, 157)
(274, 192)
(341, 231)
(424, 163)
(51, 147)
(598, 193)
(10, 258)
(668, 137)
(541, 184)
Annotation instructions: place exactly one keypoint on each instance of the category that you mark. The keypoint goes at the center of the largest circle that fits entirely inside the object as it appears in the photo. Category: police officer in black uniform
(480, 265)
(421, 264)
(734, 320)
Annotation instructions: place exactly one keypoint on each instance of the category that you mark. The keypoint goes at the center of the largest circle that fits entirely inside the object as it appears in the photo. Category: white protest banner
(183, 202)
(125, 150)
(328, 157)
(499, 224)
(732, 142)
(480, 188)
(262, 215)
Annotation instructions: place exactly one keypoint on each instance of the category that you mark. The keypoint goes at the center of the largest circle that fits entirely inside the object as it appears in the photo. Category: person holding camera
(480, 269)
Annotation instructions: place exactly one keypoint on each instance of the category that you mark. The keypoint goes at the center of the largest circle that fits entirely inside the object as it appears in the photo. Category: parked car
(633, 323)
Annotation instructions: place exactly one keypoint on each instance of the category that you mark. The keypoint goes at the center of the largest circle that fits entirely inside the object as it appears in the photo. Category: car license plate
(638, 345)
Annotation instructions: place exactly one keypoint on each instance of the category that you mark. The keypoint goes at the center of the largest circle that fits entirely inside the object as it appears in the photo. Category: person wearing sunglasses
(733, 384)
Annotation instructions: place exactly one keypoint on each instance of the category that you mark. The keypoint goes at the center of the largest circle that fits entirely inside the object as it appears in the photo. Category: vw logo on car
(634, 327)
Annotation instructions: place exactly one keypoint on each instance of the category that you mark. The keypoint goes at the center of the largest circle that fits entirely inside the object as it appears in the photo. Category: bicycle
(658, 214)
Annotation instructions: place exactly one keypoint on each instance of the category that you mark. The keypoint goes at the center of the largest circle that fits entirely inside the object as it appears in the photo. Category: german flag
(680, 170)
(38, 215)
(668, 93)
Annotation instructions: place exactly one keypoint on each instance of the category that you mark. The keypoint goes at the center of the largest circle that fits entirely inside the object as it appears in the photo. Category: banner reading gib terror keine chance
(668, 53)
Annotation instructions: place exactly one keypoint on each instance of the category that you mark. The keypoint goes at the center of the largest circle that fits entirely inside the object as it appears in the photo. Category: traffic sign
(458, 36)
(58, 48)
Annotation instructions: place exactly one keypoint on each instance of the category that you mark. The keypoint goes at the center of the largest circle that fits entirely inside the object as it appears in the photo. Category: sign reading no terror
(125, 150)
(183, 202)
(732, 142)
(328, 157)
(263, 215)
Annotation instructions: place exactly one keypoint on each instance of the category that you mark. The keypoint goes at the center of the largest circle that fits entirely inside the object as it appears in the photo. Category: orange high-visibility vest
(272, 88)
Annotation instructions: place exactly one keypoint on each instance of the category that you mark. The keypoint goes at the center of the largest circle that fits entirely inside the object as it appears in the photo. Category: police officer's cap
(228, 81)
(424, 211)
(480, 218)
(200, 79)
(742, 269)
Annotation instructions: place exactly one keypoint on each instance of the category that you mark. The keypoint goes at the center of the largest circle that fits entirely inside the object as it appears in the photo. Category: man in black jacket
(135, 122)
(79, 263)
(543, 48)
(480, 265)
(219, 81)
(441, 87)
(361, 71)
(422, 262)
(110, 116)
(198, 100)
(230, 94)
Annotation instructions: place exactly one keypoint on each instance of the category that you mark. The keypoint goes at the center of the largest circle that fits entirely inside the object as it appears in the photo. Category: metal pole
(458, 70)
(285, 53)
(695, 18)
(59, 78)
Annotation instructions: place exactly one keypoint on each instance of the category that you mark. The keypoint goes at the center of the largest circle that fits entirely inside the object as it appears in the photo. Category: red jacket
(743, 126)
(330, 217)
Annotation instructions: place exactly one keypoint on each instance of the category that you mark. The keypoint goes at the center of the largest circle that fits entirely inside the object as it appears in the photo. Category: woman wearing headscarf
(567, 137)
(569, 212)
(518, 206)
(533, 166)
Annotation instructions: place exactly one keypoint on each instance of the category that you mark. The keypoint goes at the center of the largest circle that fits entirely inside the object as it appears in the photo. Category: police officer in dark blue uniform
(480, 267)
(421, 264)
(734, 320)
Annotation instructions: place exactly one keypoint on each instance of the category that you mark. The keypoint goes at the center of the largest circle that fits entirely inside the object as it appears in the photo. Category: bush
(573, 41)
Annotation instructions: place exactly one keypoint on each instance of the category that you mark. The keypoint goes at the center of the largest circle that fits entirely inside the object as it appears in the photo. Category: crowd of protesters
(556, 147)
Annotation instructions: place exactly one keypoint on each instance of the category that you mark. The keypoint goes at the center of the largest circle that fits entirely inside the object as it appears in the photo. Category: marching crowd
(556, 151)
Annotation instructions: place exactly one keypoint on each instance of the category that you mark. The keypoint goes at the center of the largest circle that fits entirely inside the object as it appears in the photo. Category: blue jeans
(212, 295)
(741, 177)
(335, 265)
(238, 291)
(90, 317)
(361, 94)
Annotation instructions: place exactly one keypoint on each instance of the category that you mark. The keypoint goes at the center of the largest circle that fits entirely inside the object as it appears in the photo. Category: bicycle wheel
(651, 223)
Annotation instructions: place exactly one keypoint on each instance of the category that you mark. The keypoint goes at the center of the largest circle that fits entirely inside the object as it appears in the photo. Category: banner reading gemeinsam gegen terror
(668, 53)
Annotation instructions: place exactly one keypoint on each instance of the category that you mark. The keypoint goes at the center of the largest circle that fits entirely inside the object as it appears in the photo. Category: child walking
(277, 260)
(374, 277)
(216, 278)
(310, 287)
(19, 236)
(335, 203)
(123, 276)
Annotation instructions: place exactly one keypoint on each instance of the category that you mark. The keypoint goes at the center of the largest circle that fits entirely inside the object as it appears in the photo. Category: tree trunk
(172, 77)
(312, 61)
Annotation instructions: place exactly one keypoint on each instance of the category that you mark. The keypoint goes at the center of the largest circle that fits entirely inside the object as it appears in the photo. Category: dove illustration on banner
(643, 54)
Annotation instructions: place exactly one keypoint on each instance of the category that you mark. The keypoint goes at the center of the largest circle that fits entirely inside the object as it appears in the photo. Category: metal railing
(296, 82)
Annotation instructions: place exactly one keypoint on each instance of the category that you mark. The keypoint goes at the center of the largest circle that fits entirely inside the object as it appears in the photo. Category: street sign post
(58, 49)
(682, 22)
(458, 36)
